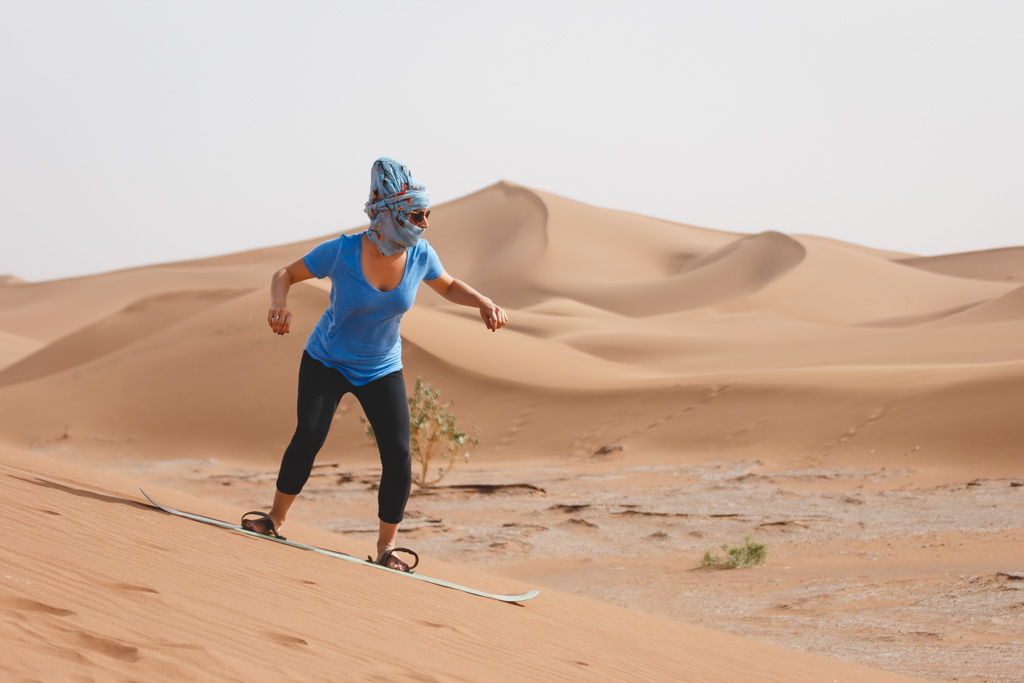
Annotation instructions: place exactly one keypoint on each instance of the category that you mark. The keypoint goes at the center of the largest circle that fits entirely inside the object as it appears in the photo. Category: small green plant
(434, 437)
(748, 555)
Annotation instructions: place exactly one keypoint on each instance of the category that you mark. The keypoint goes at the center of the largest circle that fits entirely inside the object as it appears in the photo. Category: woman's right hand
(280, 319)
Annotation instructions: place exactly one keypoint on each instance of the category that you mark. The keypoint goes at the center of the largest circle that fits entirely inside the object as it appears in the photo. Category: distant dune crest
(1006, 308)
(1000, 265)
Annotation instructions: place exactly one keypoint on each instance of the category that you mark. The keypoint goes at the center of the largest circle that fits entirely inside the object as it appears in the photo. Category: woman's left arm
(458, 292)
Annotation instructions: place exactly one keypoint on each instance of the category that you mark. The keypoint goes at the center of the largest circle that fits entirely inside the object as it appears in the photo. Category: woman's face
(419, 218)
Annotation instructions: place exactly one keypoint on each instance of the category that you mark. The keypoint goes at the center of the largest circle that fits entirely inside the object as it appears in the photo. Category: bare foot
(395, 563)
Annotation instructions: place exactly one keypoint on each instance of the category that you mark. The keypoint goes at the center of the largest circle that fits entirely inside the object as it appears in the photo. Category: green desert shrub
(748, 555)
(435, 439)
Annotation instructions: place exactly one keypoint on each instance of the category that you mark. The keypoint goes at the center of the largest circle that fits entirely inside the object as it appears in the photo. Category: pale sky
(138, 132)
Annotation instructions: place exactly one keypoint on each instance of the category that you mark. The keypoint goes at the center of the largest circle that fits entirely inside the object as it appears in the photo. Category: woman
(356, 346)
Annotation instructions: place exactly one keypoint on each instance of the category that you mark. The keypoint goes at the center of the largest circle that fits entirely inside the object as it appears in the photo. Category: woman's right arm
(279, 317)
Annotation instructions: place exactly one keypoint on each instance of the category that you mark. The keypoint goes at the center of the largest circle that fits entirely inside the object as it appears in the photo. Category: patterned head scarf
(394, 193)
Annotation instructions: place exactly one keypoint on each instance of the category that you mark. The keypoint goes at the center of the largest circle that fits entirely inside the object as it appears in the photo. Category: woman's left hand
(494, 316)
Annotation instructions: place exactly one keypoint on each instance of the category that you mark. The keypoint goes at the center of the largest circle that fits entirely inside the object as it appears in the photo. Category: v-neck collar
(405, 269)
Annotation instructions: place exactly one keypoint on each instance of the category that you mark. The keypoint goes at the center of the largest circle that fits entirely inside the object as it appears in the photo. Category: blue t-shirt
(358, 333)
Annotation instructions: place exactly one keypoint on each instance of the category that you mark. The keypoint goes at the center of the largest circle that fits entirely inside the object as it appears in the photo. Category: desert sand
(661, 389)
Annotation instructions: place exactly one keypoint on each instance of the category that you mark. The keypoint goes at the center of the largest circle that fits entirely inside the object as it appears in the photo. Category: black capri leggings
(386, 406)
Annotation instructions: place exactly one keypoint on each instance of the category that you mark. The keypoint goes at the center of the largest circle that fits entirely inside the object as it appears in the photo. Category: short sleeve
(434, 268)
(321, 260)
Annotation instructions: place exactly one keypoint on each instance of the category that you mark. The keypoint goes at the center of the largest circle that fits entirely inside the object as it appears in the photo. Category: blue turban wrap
(394, 193)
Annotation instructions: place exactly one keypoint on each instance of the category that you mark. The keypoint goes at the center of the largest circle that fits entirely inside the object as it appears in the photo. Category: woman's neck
(373, 252)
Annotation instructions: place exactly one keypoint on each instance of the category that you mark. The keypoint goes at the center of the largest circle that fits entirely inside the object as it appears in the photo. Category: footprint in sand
(108, 647)
(450, 627)
(874, 416)
(26, 605)
(710, 394)
(135, 589)
(283, 639)
(105, 646)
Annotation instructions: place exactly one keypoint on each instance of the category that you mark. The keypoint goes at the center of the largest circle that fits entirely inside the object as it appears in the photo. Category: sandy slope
(97, 584)
(671, 344)
(14, 348)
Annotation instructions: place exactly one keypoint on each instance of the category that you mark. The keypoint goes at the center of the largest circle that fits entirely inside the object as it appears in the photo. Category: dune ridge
(999, 265)
(136, 321)
(1006, 308)
(729, 272)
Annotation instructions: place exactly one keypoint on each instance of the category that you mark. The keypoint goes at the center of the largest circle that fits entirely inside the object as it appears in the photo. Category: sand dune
(113, 333)
(1000, 265)
(839, 286)
(503, 238)
(739, 268)
(634, 343)
(190, 381)
(652, 306)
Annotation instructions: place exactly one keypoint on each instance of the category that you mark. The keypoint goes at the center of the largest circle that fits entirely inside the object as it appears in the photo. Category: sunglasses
(420, 215)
